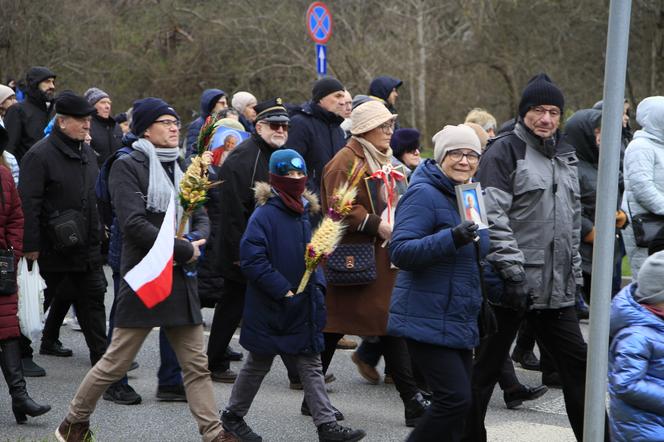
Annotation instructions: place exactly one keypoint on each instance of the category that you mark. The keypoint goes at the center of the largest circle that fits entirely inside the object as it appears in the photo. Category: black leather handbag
(67, 229)
(351, 264)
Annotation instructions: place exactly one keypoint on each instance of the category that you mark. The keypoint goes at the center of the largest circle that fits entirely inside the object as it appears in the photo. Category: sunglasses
(276, 126)
(283, 167)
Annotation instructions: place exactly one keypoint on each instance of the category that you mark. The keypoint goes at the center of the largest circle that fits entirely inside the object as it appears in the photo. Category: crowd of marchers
(450, 287)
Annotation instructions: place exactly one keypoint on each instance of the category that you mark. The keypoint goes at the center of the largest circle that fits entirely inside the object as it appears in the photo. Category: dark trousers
(227, 316)
(525, 341)
(447, 372)
(558, 333)
(85, 290)
(371, 350)
(169, 372)
(396, 356)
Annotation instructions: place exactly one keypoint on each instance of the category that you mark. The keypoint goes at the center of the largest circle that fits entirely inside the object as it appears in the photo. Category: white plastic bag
(30, 299)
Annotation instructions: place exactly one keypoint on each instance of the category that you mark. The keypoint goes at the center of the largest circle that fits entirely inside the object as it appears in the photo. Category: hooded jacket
(636, 371)
(209, 98)
(580, 133)
(437, 295)
(25, 121)
(532, 202)
(381, 87)
(272, 259)
(315, 133)
(644, 172)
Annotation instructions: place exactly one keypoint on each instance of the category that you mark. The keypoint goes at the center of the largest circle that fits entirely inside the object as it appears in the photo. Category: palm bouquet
(332, 227)
(194, 188)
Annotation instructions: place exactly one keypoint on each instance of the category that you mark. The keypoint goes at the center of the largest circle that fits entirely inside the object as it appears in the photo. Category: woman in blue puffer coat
(437, 297)
(636, 357)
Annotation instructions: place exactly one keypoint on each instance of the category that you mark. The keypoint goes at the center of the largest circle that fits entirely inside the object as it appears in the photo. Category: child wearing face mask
(276, 320)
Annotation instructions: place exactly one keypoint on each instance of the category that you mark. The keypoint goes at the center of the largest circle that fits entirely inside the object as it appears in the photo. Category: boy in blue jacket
(636, 357)
(277, 321)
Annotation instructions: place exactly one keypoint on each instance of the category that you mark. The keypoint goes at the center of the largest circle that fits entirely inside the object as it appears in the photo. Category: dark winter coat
(579, 132)
(316, 134)
(209, 98)
(272, 259)
(437, 295)
(57, 174)
(210, 279)
(106, 137)
(381, 87)
(636, 371)
(26, 121)
(244, 166)
(11, 234)
(358, 310)
(248, 125)
(128, 185)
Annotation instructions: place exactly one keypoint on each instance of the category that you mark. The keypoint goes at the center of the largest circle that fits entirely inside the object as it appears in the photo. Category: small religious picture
(385, 187)
(471, 204)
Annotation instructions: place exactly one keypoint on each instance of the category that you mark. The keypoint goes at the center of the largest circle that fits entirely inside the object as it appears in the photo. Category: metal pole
(607, 190)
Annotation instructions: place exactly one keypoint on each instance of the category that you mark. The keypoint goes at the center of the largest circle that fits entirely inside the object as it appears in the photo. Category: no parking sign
(319, 25)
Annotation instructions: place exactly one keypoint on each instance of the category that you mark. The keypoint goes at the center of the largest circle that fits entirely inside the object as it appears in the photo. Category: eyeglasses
(276, 126)
(387, 128)
(457, 155)
(539, 111)
(169, 123)
(283, 167)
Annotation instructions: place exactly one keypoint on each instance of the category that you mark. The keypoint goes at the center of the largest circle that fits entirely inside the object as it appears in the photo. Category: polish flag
(152, 278)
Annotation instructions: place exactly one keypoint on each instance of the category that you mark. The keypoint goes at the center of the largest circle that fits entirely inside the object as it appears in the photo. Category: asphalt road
(275, 413)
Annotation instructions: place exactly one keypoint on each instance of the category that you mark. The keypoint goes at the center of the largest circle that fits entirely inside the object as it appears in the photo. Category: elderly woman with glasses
(362, 309)
(437, 297)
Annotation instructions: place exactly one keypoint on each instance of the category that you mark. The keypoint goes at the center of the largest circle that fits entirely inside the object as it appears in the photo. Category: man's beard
(49, 94)
(277, 142)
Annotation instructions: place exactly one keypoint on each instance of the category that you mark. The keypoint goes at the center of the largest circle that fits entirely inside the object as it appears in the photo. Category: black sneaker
(31, 370)
(527, 359)
(171, 393)
(224, 376)
(304, 409)
(333, 432)
(54, 349)
(414, 409)
(122, 394)
(232, 355)
(236, 425)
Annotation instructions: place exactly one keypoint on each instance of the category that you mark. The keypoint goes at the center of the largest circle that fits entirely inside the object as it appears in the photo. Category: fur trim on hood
(263, 192)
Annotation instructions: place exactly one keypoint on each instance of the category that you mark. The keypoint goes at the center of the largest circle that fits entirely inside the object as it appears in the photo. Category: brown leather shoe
(78, 432)
(366, 371)
(225, 437)
(346, 344)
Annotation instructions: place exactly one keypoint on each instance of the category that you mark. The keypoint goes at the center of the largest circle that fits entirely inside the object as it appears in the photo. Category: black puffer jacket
(580, 133)
(26, 121)
(316, 134)
(57, 174)
(106, 137)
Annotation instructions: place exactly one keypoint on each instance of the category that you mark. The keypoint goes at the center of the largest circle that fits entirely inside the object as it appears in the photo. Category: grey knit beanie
(94, 94)
(650, 288)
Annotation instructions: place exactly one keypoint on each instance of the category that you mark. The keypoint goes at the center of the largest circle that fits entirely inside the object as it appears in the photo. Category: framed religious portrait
(227, 138)
(471, 204)
(385, 187)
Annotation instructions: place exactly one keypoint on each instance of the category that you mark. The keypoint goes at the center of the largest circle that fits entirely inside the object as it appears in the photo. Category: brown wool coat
(357, 310)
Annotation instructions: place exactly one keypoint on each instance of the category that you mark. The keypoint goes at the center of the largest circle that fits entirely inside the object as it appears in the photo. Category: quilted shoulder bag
(351, 264)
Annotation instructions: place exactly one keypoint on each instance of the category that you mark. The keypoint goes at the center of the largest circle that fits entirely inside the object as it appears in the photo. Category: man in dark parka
(57, 180)
(142, 185)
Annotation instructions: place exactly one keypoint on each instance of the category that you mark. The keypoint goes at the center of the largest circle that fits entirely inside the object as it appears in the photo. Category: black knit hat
(404, 140)
(37, 74)
(324, 87)
(540, 90)
(68, 103)
(146, 111)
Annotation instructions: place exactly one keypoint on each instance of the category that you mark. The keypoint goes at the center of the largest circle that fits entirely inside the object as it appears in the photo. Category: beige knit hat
(455, 137)
(5, 92)
(243, 99)
(369, 116)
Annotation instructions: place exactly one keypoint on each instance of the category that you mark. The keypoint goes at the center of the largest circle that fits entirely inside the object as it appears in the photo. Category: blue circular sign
(319, 22)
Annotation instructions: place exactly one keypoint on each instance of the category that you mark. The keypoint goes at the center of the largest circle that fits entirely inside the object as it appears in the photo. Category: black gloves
(515, 294)
(464, 233)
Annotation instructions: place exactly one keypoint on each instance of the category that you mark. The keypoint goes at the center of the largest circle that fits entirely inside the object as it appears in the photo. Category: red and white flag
(152, 278)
